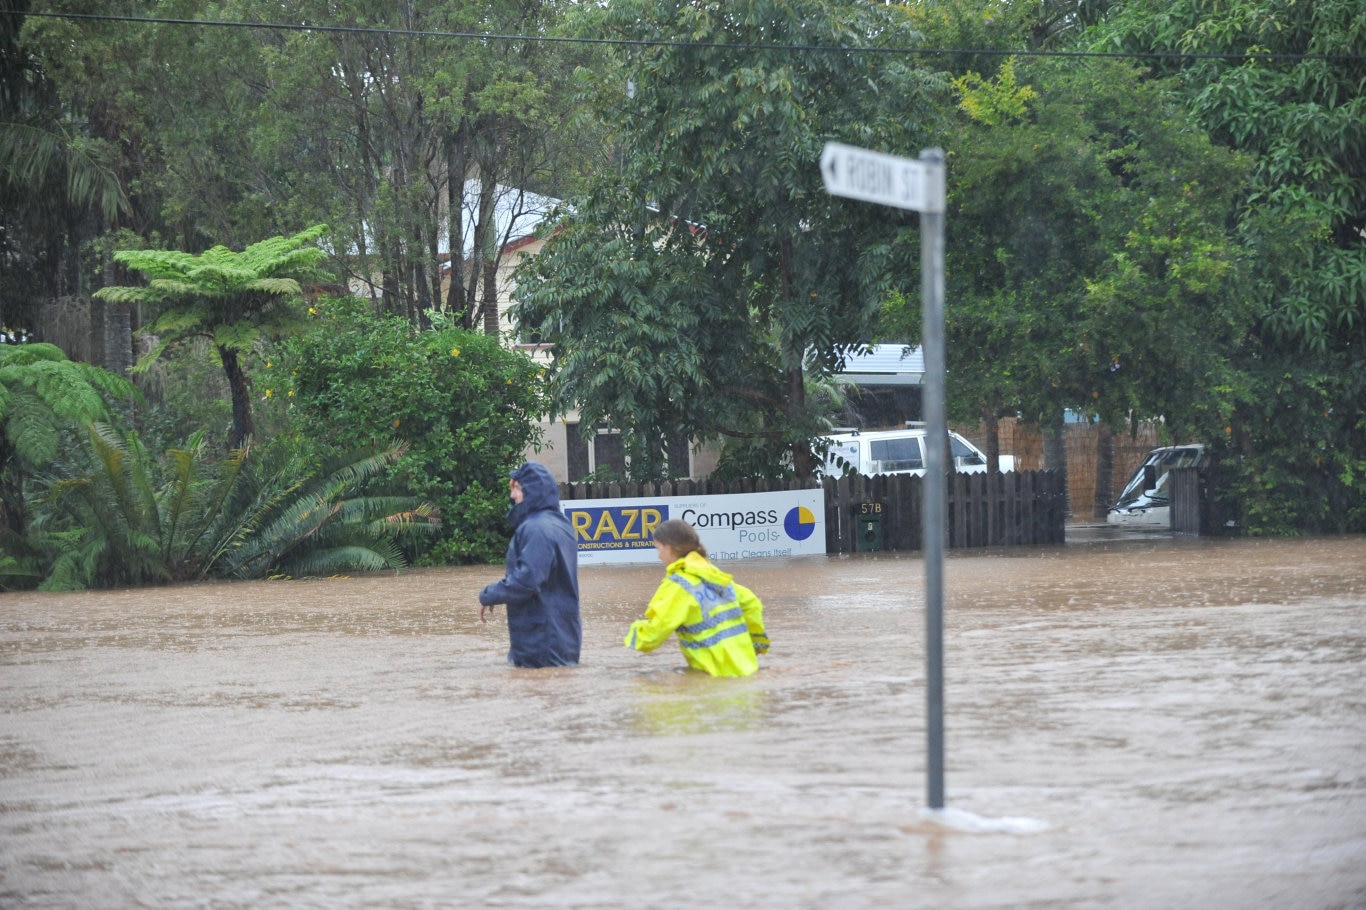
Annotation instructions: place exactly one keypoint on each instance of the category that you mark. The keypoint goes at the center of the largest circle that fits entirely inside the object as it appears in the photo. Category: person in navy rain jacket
(541, 581)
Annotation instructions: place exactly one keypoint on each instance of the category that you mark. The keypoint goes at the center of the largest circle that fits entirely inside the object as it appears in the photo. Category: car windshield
(964, 455)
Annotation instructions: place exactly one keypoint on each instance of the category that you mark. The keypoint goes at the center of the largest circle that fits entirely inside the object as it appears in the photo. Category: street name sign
(903, 183)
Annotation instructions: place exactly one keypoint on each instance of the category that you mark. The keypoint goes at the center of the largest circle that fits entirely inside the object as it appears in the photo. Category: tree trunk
(118, 325)
(492, 325)
(243, 426)
(1055, 454)
(484, 267)
(993, 441)
(393, 281)
(802, 462)
(1105, 471)
(457, 163)
(120, 341)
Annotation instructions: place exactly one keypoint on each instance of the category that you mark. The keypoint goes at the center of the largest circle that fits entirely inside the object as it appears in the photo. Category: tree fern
(42, 396)
(39, 384)
(234, 299)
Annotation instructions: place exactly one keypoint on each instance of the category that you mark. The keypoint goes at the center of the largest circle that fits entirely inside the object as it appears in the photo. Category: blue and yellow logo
(799, 523)
(616, 527)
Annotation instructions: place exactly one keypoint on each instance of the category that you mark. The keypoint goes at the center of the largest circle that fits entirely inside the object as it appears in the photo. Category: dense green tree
(235, 300)
(401, 135)
(408, 140)
(173, 98)
(1090, 267)
(1283, 81)
(59, 183)
(465, 406)
(693, 290)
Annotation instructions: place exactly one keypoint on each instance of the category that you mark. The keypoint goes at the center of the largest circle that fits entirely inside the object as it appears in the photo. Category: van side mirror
(1150, 477)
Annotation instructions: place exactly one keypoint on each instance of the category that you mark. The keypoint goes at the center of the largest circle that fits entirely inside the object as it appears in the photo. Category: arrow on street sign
(904, 183)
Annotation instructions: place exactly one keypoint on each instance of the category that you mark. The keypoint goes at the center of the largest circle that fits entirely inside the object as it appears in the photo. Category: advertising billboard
(732, 526)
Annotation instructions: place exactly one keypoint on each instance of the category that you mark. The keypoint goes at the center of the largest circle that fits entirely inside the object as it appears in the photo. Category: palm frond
(126, 475)
(132, 519)
(239, 336)
(209, 522)
(125, 294)
(335, 560)
(76, 565)
(178, 498)
(322, 515)
(67, 390)
(31, 153)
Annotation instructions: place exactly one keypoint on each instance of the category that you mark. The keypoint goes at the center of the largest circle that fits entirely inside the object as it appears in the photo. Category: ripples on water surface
(1183, 720)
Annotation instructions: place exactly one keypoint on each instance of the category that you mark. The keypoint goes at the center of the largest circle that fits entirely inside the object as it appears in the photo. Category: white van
(898, 452)
(1146, 501)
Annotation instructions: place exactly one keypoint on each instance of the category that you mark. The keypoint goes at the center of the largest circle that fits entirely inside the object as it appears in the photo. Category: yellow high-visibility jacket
(720, 624)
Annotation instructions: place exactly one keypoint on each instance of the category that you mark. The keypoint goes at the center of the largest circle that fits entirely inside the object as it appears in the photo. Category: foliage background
(463, 404)
(1195, 217)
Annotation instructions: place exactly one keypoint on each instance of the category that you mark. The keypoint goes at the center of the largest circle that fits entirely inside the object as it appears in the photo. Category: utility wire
(708, 45)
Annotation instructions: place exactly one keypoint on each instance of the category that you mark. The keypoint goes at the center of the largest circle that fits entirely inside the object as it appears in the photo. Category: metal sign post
(917, 185)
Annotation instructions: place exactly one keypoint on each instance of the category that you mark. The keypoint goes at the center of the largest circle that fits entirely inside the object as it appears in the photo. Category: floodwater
(1131, 723)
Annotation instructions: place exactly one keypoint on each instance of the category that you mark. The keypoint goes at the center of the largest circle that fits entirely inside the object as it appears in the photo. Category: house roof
(885, 365)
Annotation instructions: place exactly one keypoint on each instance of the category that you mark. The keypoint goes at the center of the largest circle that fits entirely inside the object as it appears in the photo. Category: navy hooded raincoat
(541, 584)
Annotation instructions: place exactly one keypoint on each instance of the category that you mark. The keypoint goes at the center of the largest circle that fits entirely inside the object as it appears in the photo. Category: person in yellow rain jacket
(720, 624)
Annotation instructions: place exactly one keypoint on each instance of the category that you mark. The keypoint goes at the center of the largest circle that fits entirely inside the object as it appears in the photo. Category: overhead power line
(709, 45)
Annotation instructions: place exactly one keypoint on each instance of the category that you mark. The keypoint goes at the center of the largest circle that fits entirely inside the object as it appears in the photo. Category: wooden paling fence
(1019, 508)
(885, 512)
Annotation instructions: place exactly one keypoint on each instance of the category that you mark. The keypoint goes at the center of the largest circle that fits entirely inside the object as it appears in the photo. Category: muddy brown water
(1131, 723)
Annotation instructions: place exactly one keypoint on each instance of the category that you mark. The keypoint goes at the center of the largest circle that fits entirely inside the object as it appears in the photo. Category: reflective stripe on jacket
(719, 623)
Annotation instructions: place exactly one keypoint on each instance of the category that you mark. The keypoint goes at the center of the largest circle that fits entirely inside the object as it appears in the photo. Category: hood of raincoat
(697, 564)
(539, 492)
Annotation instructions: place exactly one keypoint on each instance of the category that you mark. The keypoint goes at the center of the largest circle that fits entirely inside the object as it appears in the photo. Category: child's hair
(680, 535)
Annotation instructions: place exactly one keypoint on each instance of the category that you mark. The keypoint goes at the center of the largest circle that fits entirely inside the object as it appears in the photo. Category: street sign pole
(917, 185)
(936, 482)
